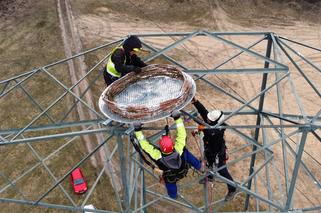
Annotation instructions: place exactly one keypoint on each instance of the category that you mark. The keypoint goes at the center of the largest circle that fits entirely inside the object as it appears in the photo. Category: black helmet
(132, 42)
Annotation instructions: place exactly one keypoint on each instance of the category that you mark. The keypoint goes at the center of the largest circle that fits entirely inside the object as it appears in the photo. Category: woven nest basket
(148, 96)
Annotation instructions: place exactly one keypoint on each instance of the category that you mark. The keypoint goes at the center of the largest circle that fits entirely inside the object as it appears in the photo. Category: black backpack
(177, 167)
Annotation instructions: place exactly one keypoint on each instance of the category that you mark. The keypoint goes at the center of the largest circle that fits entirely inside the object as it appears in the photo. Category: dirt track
(77, 69)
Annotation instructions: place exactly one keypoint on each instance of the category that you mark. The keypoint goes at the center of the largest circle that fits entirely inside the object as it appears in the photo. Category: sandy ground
(103, 24)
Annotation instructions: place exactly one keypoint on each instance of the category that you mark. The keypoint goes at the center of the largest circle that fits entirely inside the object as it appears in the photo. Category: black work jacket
(213, 138)
(124, 62)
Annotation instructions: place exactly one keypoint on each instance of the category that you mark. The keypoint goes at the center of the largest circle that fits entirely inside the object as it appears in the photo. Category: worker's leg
(171, 190)
(191, 159)
(225, 173)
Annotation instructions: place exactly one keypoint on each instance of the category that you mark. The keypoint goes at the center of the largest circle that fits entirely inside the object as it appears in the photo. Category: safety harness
(136, 146)
(177, 167)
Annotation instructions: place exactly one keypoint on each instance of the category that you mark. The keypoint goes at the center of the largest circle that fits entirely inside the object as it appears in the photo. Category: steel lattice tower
(271, 182)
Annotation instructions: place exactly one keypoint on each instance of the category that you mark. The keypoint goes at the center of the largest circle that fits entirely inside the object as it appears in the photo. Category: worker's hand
(137, 70)
(194, 100)
(137, 126)
(176, 114)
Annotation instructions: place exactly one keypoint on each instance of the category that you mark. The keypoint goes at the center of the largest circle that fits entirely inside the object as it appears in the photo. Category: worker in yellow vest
(123, 60)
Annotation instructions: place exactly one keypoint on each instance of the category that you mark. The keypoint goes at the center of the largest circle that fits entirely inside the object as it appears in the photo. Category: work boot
(231, 195)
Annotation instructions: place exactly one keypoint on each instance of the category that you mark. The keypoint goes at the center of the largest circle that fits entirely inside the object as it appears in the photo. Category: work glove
(193, 100)
(137, 126)
(137, 70)
(176, 114)
(200, 127)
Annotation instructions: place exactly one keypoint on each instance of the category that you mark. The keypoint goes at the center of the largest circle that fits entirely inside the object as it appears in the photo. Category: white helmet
(215, 115)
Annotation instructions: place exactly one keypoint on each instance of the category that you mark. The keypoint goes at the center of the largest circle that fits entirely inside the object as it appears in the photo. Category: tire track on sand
(77, 69)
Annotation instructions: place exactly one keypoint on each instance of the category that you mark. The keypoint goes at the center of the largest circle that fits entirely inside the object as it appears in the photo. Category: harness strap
(132, 140)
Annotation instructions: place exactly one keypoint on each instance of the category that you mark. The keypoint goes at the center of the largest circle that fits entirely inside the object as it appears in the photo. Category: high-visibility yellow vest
(110, 67)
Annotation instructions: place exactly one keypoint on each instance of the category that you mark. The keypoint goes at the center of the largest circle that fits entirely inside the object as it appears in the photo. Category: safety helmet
(166, 144)
(215, 116)
(131, 43)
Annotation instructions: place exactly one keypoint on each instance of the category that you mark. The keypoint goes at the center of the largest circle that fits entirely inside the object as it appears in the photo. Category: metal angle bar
(72, 93)
(305, 167)
(21, 176)
(248, 191)
(169, 199)
(257, 170)
(58, 99)
(257, 202)
(259, 176)
(258, 119)
(53, 126)
(235, 55)
(201, 33)
(143, 187)
(299, 69)
(91, 83)
(49, 205)
(267, 170)
(295, 170)
(134, 176)
(259, 126)
(311, 208)
(237, 71)
(73, 168)
(135, 183)
(189, 203)
(60, 61)
(257, 55)
(37, 164)
(301, 56)
(239, 53)
(278, 179)
(147, 204)
(93, 186)
(300, 105)
(316, 116)
(145, 169)
(123, 174)
(48, 137)
(173, 45)
(280, 106)
(20, 76)
(35, 102)
(239, 148)
(51, 174)
(81, 96)
(316, 135)
(4, 88)
(167, 57)
(20, 82)
(38, 116)
(253, 99)
(83, 53)
(299, 43)
(112, 175)
(12, 184)
(275, 115)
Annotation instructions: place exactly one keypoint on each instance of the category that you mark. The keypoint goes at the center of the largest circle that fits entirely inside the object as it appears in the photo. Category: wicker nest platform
(148, 96)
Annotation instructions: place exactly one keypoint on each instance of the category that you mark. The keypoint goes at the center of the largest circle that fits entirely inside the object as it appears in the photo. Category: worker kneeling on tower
(173, 160)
